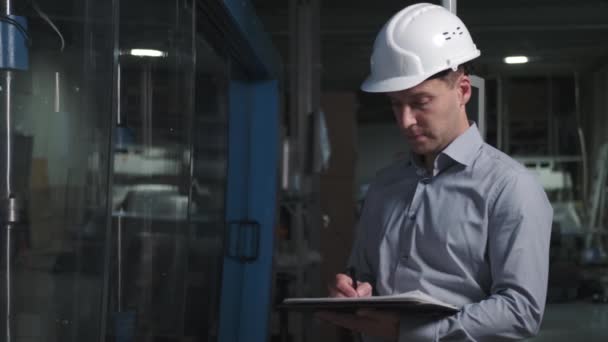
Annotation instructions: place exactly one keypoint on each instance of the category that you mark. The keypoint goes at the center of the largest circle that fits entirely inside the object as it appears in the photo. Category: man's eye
(421, 103)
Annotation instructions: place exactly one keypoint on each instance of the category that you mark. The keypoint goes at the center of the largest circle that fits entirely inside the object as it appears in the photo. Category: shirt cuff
(413, 329)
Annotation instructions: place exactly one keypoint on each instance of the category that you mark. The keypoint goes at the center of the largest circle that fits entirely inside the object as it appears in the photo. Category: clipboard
(414, 302)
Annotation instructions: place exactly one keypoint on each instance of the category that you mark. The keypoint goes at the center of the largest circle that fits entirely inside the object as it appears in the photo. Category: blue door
(195, 172)
(252, 192)
(252, 182)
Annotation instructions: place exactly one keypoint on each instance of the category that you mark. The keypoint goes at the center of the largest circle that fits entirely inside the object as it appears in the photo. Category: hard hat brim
(388, 85)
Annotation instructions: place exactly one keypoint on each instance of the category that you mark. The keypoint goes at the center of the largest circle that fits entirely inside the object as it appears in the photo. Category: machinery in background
(594, 254)
(594, 251)
(579, 259)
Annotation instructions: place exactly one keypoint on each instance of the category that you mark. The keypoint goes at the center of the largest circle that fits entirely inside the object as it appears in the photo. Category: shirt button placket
(404, 258)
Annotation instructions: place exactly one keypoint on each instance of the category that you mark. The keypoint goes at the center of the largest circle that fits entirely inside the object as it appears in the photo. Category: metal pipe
(119, 251)
(57, 92)
(285, 167)
(10, 205)
(450, 5)
(581, 137)
(8, 282)
(8, 8)
(6, 96)
(8, 213)
(119, 112)
(11, 214)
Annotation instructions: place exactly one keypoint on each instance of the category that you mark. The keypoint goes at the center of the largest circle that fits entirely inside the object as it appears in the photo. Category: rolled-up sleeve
(519, 229)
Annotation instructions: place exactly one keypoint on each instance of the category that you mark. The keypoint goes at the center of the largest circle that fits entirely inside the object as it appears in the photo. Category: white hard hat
(416, 43)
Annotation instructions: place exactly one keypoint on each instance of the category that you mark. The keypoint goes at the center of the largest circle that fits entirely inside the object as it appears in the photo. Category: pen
(353, 275)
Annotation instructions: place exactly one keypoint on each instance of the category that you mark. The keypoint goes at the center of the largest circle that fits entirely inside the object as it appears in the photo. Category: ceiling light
(147, 53)
(516, 59)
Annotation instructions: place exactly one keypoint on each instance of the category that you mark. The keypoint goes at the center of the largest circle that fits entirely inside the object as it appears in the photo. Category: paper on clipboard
(413, 302)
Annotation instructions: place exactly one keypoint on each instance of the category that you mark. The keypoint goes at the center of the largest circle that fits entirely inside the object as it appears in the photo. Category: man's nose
(406, 116)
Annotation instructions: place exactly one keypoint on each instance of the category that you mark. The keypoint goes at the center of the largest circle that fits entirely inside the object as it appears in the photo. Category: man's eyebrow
(415, 96)
(412, 97)
(420, 94)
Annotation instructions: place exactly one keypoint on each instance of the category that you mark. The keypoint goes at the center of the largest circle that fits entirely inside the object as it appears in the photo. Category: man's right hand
(343, 287)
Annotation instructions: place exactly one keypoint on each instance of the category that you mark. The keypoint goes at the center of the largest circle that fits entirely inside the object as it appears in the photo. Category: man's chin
(420, 149)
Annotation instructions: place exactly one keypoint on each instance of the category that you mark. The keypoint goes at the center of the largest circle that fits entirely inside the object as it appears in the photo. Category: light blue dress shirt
(475, 233)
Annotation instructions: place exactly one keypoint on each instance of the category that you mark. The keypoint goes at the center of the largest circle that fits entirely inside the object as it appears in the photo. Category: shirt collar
(464, 148)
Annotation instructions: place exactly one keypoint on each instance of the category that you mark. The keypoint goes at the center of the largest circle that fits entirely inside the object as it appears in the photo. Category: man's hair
(450, 76)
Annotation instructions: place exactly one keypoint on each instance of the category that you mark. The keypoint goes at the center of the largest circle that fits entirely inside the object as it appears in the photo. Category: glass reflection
(169, 177)
(61, 119)
(123, 214)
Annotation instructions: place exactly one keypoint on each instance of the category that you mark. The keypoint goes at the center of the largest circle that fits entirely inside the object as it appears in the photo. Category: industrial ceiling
(559, 36)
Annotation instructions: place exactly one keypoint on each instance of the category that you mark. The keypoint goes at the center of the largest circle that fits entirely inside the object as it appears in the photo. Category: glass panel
(61, 116)
(209, 155)
(169, 177)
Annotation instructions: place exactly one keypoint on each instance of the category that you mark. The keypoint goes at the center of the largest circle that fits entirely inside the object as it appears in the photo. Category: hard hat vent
(457, 32)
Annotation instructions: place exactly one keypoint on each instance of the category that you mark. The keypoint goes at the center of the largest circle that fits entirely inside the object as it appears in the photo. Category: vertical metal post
(8, 133)
(119, 257)
(9, 213)
(450, 5)
(10, 206)
(6, 108)
(8, 8)
(8, 282)
(119, 118)
(582, 142)
(57, 92)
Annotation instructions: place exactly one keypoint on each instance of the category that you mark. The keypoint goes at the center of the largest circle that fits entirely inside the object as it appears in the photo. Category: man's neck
(428, 161)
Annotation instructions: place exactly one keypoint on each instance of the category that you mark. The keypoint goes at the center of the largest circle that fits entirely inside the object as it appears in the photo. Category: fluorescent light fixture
(516, 59)
(147, 53)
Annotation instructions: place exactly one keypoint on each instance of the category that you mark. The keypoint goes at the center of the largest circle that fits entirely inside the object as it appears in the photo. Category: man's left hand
(370, 322)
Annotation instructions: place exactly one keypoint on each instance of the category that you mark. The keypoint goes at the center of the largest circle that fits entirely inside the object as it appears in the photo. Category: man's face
(432, 114)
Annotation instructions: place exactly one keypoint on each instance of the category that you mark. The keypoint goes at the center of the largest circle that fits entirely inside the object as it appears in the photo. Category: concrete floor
(574, 321)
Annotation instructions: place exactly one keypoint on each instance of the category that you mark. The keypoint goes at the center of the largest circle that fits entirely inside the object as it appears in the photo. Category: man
(459, 220)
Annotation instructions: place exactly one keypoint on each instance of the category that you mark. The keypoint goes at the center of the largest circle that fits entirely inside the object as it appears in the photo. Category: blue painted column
(253, 154)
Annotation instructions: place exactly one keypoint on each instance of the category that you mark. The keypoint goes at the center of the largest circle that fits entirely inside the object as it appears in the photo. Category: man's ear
(464, 89)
